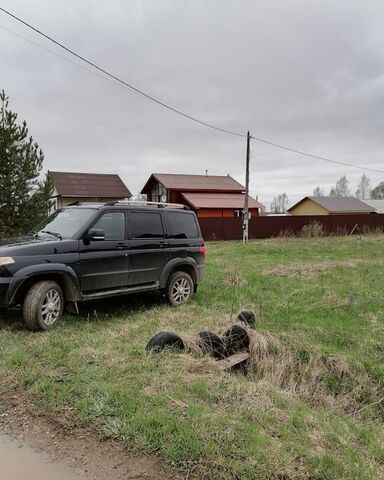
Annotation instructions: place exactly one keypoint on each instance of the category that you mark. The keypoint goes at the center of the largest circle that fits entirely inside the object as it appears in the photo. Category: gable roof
(76, 184)
(338, 204)
(185, 182)
(219, 200)
(378, 205)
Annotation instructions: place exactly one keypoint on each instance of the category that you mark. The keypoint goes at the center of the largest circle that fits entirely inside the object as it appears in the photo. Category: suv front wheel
(179, 288)
(43, 305)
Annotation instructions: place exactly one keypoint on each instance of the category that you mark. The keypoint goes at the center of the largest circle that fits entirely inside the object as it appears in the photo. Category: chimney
(206, 173)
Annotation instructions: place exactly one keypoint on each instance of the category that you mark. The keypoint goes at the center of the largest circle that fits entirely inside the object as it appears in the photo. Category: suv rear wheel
(179, 288)
(43, 305)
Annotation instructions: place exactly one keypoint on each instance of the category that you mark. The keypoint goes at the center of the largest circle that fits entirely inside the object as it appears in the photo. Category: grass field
(311, 406)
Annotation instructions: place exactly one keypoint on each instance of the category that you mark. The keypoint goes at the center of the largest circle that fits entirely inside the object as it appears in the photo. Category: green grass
(309, 409)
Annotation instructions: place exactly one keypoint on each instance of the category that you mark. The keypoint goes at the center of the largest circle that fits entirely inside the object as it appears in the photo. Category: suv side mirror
(95, 234)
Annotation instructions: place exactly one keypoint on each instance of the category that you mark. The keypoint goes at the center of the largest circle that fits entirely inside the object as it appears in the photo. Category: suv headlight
(6, 261)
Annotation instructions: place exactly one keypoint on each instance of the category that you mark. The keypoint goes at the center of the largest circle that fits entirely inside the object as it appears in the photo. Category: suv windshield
(65, 223)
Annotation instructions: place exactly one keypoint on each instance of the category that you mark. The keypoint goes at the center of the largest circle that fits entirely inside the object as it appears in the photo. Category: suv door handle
(163, 243)
(121, 246)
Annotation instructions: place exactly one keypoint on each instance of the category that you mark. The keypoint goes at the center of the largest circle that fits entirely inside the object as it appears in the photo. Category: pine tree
(377, 193)
(24, 199)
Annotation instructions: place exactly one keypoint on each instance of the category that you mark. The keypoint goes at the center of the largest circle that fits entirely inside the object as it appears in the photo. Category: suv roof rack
(146, 203)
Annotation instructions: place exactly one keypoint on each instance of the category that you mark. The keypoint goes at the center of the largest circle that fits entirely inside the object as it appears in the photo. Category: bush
(313, 230)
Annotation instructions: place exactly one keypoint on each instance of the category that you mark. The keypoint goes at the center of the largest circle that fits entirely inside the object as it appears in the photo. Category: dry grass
(317, 379)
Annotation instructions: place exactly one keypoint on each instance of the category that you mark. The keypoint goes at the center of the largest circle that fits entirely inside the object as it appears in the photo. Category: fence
(266, 227)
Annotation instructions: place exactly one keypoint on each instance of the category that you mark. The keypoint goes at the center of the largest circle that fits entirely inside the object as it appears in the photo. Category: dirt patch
(81, 449)
(309, 270)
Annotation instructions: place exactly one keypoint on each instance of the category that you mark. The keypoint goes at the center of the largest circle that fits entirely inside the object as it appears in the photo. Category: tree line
(341, 188)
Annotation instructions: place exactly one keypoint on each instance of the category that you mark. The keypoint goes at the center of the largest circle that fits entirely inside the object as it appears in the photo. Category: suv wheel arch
(66, 283)
(179, 265)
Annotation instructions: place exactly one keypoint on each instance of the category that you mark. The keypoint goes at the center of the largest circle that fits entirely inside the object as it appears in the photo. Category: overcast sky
(307, 74)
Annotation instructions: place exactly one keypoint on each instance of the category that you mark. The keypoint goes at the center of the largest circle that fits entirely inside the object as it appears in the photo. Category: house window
(157, 192)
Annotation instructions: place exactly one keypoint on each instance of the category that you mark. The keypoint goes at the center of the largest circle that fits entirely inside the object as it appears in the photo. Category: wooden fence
(266, 227)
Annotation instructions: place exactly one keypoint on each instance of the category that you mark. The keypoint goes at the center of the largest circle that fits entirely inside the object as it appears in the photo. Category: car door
(104, 264)
(148, 251)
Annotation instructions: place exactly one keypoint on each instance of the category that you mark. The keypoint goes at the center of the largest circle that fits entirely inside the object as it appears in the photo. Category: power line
(106, 72)
(289, 149)
(159, 102)
(59, 56)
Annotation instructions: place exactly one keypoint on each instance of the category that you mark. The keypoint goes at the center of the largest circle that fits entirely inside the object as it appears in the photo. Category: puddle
(19, 462)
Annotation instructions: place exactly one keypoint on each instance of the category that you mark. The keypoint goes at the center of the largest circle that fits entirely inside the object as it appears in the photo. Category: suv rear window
(182, 225)
(146, 225)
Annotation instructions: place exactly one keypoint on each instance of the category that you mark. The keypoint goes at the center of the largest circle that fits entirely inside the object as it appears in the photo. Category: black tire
(179, 288)
(165, 339)
(211, 344)
(43, 305)
(247, 317)
(236, 338)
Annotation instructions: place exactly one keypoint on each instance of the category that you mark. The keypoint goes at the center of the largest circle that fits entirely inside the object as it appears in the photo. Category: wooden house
(208, 195)
(70, 187)
(330, 206)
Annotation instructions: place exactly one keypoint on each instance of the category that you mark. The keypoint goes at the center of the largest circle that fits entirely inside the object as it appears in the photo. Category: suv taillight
(203, 250)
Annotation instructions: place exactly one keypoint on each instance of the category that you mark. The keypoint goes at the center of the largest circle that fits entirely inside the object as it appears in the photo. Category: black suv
(91, 251)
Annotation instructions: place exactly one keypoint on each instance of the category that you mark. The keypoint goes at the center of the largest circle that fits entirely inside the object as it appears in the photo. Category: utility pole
(246, 209)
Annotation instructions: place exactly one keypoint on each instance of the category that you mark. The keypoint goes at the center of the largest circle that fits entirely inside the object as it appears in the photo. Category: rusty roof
(76, 184)
(219, 200)
(339, 204)
(184, 182)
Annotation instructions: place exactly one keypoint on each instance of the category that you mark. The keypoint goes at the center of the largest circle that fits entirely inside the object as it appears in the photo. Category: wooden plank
(232, 360)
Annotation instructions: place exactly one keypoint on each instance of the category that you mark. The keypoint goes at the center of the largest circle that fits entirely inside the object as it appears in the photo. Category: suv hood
(30, 245)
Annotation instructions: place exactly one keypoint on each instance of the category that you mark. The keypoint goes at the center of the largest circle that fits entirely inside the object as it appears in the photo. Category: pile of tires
(236, 338)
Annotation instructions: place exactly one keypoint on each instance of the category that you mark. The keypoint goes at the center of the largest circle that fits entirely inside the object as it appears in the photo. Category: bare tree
(279, 203)
(341, 189)
(364, 188)
(318, 192)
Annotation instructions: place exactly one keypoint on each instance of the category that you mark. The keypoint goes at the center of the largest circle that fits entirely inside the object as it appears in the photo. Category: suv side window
(146, 225)
(182, 225)
(113, 224)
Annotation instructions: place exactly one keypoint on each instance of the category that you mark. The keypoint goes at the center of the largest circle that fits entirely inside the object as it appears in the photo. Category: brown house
(70, 187)
(330, 206)
(207, 195)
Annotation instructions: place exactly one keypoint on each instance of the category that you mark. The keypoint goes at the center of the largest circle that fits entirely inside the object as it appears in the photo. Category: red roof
(102, 185)
(194, 182)
(219, 200)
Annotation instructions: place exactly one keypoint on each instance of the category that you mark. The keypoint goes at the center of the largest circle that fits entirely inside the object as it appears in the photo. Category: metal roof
(378, 205)
(89, 185)
(219, 200)
(194, 182)
(338, 204)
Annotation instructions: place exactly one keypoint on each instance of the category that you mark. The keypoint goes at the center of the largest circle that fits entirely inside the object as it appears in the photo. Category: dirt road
(46, 451)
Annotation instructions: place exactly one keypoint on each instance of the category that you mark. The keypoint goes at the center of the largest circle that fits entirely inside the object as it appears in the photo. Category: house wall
(222, 212)
(309, 207)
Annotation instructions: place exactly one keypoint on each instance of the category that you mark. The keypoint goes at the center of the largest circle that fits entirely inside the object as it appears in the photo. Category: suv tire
(43, 305)
(179, 288)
